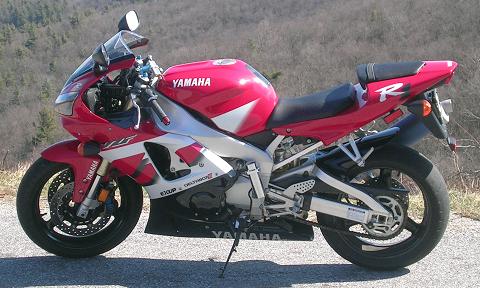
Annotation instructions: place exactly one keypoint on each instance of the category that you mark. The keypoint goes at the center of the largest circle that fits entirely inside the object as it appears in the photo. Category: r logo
(390, 91)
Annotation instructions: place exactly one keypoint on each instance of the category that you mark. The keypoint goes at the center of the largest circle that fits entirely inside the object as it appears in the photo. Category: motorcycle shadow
(53, 271)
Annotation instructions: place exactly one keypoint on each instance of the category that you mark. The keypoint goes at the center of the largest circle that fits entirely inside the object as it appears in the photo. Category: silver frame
(184, 129)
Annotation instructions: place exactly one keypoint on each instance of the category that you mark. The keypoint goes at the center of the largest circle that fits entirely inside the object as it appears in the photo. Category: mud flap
(162, 223)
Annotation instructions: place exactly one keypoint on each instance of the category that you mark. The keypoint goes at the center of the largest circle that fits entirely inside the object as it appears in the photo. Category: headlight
(64, 103)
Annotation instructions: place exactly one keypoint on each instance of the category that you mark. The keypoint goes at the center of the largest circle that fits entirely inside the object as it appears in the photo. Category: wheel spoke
(412, 226)
(50, 224)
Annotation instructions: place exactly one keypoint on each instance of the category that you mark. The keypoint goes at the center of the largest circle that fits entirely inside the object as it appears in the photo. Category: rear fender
(406, 132)
(84, 167)
(337, 162)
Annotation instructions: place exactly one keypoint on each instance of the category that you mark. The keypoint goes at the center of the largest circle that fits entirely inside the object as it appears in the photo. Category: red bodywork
(190, 154)
(86, 126)
(230, 86)
(329, 130)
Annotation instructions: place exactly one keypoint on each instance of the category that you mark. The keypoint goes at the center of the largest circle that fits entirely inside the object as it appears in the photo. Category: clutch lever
(133, 96)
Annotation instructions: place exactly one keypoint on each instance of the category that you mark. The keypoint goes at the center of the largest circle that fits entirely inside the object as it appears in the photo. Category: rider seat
(319, 105)
(373, 72)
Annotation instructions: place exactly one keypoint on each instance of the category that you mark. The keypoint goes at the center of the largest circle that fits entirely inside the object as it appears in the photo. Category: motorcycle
(221, 156)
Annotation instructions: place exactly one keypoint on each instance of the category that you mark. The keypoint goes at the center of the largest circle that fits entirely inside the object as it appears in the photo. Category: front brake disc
(63, 214)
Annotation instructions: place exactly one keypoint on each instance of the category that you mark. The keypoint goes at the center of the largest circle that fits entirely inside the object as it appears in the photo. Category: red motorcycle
(221, 156)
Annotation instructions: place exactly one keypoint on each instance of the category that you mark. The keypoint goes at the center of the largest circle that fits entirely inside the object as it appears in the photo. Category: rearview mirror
(129, 21)
(101, 59)
(100, 56)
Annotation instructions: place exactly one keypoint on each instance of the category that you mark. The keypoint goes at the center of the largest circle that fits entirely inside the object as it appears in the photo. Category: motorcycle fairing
(138, 162)
(162, 223)
(378, 99)
(190, 154)
(87, 126)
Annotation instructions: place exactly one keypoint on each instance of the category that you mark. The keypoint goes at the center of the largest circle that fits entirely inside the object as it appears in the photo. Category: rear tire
(436, 202)
(59, 244)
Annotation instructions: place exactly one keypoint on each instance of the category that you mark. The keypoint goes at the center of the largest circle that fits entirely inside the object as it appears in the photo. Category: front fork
(90, 201)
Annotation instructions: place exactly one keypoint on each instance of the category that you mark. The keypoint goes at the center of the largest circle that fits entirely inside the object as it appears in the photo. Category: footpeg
(299, 188)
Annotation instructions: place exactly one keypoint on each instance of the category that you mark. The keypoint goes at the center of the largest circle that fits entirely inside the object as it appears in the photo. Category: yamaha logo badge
(191, 82)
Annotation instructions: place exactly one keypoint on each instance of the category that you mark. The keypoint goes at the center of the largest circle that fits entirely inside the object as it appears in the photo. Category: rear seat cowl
(373, 72)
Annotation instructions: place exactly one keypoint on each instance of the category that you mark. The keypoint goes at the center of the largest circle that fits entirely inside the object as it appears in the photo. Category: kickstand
(237, 230)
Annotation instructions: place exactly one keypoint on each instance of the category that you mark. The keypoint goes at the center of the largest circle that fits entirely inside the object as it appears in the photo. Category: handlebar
(148, 73)
(156, 107)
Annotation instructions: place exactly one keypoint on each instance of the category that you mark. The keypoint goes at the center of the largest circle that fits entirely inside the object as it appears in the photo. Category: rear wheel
(415, 193)
(48, 216)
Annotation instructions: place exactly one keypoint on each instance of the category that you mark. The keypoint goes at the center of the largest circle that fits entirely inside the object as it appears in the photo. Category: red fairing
(373, 104)
(134, 166)
(84, 125)
(84, 168)
(229, 92)
(190, 154)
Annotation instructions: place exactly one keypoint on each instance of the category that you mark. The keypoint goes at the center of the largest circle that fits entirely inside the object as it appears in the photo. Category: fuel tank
(230, 93)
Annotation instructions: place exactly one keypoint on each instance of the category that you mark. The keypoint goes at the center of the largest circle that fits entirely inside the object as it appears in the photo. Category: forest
(302, 46)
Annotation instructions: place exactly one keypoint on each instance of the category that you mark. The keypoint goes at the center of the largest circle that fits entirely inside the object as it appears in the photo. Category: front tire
(427, 233)
(42, 232)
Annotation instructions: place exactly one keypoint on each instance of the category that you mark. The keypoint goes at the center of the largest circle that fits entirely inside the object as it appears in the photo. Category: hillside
(304, 45)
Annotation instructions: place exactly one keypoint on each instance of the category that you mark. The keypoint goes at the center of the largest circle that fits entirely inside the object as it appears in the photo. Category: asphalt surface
(156, 261)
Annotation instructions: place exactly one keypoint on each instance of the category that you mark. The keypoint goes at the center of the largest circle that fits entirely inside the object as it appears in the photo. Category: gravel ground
(156, 261)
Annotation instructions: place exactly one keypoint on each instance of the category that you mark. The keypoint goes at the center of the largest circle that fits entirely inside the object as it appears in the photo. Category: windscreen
(118, 48)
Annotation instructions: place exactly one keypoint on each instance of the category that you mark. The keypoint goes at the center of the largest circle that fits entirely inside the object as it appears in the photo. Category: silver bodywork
(185, 130)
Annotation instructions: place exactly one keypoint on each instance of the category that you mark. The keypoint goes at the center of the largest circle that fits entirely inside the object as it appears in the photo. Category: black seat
(315, 106)
(372, 72)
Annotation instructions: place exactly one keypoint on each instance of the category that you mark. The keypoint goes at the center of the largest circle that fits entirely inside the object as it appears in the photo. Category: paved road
(154, 261)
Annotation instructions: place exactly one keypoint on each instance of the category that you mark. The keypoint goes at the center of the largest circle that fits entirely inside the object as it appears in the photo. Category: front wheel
(48, 216)
(415, 193)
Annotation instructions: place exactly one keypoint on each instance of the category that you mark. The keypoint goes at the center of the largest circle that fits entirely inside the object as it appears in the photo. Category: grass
(10, 179)
(466, 204)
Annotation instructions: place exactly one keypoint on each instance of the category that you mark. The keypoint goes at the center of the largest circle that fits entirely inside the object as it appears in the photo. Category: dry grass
(10, 179)
(466, 204)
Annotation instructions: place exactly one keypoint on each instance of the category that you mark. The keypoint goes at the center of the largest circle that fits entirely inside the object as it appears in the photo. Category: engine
(204, 202)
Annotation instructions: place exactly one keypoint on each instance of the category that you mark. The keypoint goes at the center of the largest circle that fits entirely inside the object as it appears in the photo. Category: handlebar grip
(160, 113)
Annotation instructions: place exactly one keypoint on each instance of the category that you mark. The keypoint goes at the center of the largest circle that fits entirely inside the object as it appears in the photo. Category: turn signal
(81, 149)
(427, 108)
(88, 149)
(103, 195)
